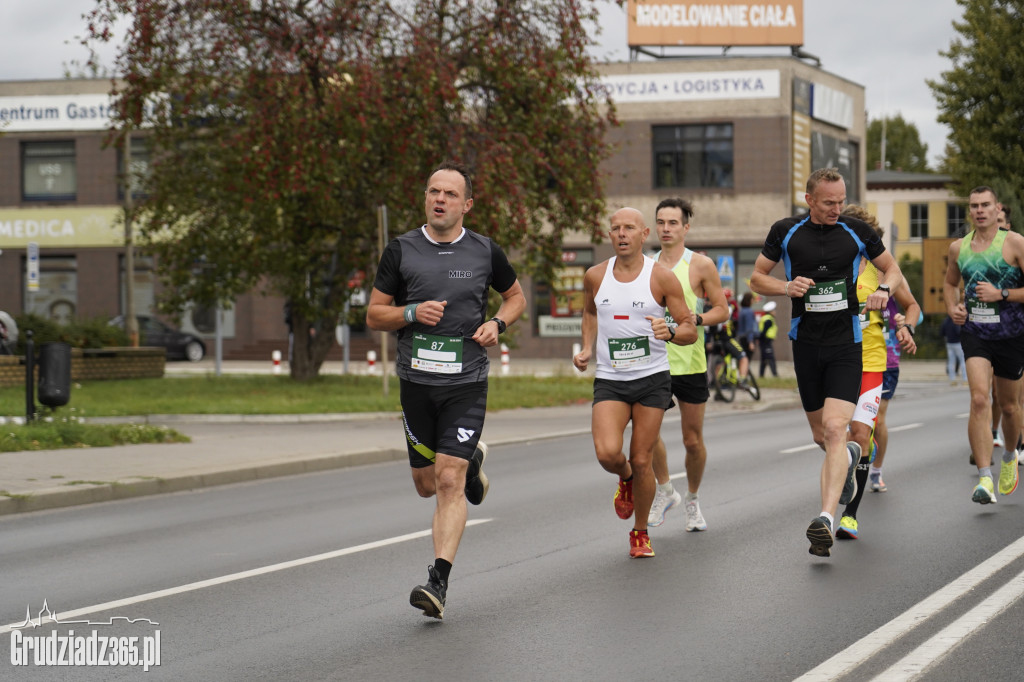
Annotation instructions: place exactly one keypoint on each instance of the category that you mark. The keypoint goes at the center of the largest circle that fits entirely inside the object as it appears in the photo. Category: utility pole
(131, 321)
(885, 164)
(382, 241)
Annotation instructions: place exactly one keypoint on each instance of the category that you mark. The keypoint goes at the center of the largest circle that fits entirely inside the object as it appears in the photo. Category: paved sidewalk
(235, 448)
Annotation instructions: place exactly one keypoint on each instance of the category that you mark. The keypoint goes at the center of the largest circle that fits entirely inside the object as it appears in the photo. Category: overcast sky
(889, 46)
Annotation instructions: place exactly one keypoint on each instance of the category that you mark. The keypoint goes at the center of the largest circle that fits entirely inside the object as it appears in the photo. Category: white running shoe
(662, 503)
(694, 519)
(997, 440)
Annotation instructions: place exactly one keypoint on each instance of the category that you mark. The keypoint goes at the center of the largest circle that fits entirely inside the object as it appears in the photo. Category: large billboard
(714, 22)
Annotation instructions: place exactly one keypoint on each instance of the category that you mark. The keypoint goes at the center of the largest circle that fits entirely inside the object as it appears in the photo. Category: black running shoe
(430, 597)
(820, 535)
(477, 484)
(850, 487)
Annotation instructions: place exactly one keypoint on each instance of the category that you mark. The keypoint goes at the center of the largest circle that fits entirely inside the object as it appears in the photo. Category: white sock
(690, 497)
(666, 488)
(874, 471)
(831, 519)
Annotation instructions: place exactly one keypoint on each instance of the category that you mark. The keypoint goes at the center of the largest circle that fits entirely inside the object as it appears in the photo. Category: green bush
(92, 333)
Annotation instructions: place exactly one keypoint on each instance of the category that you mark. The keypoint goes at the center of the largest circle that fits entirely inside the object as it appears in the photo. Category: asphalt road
(308, 577)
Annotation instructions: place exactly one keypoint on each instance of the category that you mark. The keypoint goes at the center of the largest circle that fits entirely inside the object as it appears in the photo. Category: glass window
(918, 221)
(57, 298)
(48, 171)
(693, 155)
(956, 220)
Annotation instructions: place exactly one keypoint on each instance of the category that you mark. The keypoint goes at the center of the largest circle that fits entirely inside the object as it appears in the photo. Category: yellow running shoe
(984, 493)
(1008, 477)
(847, 528)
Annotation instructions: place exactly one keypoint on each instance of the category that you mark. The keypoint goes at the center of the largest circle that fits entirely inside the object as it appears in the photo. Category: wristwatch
(908, 327)
(672, 327)
(885, 288)
(1005, 293)
(700, 321)
(501, 324)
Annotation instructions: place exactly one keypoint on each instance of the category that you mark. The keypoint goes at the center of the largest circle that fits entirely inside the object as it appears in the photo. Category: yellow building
(914, 207)
(921, 216)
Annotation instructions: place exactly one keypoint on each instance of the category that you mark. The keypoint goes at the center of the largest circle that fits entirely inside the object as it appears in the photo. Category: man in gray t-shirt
(431, 288)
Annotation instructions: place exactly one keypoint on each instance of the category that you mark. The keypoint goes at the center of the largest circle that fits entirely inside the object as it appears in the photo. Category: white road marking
(942, 644)
(869, 645)
(252, 573)
(814, 446)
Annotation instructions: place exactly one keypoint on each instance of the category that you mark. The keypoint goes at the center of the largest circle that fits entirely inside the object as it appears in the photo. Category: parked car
(178, 344)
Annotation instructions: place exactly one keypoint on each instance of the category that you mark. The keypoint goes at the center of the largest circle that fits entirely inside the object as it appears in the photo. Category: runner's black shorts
(1006, 355)
(650, 391)
(827, 372)
(691, 388)
(446, 419)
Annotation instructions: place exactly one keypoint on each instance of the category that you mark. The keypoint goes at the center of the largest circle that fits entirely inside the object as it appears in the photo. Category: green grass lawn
(60, 434)
(68, 426)
(260, 394)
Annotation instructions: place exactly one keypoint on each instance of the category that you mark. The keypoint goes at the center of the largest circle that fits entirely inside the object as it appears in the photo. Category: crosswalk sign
(726, 269)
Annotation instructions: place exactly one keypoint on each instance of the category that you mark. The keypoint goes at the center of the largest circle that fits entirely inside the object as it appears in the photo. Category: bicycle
(725, 378)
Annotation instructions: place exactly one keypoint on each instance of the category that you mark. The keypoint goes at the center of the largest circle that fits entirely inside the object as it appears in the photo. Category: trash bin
(54, 374)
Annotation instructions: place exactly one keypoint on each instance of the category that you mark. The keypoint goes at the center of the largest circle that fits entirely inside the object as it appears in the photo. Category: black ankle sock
(443, 568)
(862, 483)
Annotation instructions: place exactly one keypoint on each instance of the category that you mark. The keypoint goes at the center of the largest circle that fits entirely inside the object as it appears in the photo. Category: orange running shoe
(639, 544)
(623, 499)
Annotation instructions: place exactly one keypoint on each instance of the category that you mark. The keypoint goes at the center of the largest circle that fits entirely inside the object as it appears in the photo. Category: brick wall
(95, 365)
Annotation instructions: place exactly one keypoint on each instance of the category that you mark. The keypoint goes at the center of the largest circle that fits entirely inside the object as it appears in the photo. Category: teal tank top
(1000, 320)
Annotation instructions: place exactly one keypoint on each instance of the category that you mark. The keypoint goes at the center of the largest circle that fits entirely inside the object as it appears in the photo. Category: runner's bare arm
(666, 288)
(591, 282)
(712, 286)
(383, 316)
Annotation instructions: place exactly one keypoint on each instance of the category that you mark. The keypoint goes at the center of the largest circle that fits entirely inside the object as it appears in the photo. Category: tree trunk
(309, 350)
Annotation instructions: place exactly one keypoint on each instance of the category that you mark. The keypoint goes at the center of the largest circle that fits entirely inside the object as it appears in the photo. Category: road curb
(306, 418)
(90, 493)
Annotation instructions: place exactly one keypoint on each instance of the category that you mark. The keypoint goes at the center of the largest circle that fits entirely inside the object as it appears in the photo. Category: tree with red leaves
(277, 128)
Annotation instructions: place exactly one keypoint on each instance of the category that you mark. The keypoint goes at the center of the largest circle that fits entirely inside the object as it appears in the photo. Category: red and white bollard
(276, 357)
(371, 361)
(504, 359)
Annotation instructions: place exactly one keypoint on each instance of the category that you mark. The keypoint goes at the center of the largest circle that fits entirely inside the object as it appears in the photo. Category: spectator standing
(767, 330)
(746, 327)
(954, 351)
